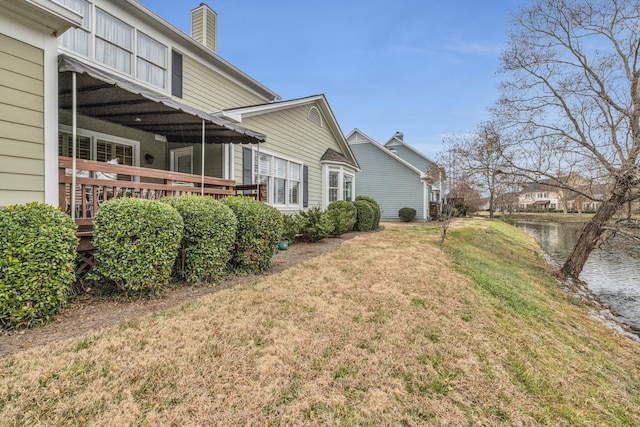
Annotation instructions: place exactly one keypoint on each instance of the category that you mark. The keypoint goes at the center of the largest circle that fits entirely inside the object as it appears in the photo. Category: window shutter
(176, 74)
(305, 187)
(247, 166)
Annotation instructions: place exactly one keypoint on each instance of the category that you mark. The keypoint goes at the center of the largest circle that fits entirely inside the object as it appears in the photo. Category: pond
(614, 277)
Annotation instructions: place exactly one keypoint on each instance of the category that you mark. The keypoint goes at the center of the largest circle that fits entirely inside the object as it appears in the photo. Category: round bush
(407, 214)
(259, 229)
(317, 225)
(37, 253)
(291, 227)
(377, 211)
(365, 217)
(207, 238)
(137, 242)
(343, 215)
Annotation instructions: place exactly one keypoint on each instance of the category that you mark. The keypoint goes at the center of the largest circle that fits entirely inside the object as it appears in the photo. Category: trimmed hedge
(37, 253)
(137, 242)
(365, 217)
(207, 239)
(407, 214)
(259, 229)
(317, 225)
(291, 227)
(377, 211)
(343, 214)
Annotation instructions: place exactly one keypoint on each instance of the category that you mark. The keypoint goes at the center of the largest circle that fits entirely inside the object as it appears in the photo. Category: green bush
(365, 217)
(207, 238)
(37, 253)
(343, 215)
(137, 243)
(317, 225)
(377, 211)
(407, 214)
(291, 227)
(259, 229)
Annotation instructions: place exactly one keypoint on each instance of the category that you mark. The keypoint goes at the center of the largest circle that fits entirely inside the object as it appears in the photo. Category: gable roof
(397, 141)
(320, 101)
(356, 132)
(45, 16)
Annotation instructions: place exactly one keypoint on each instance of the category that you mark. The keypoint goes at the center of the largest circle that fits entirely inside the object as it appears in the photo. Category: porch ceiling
(106, 96)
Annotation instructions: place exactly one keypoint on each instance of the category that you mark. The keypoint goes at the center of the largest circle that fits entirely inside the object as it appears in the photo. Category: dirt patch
(87, 314)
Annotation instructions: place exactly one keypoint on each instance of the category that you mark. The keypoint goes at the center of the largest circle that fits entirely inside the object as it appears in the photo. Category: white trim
(95, 136)
(51, 122)
(282, 207)
(342, 171)
(180, 151)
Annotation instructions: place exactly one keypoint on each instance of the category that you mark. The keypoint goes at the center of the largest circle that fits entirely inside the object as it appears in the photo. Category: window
(182, 160)
(347, 187)
(334, 177)
(281, 176)
(101, 147)
(114, 42)
(339, 183)
(77, 39)
(151, 63)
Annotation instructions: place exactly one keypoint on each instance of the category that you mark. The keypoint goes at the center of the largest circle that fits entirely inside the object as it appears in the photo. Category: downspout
(74, 131)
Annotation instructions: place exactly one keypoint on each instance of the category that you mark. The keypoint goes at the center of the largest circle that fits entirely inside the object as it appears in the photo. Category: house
(28, 98)
(544, 195)
(154, 111)
(391, 180)
(307, 161)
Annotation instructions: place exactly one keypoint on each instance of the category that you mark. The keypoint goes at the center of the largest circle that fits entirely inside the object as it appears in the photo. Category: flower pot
(283, 246)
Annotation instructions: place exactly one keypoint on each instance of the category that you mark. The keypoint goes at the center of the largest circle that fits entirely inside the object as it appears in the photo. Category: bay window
(339, 183)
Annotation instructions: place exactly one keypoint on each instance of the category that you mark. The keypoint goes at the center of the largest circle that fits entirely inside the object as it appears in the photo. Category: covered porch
(118, 139)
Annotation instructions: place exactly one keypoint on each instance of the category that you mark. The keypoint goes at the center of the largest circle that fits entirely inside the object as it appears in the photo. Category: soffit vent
(314, 116)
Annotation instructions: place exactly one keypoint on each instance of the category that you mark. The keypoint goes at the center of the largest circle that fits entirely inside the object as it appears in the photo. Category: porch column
(74, 131)
(202, 167)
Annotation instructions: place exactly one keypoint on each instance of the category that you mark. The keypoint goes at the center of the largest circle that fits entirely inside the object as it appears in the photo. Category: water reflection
(613, 277)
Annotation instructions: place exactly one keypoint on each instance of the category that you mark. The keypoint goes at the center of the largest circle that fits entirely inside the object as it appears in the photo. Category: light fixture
(148, 158)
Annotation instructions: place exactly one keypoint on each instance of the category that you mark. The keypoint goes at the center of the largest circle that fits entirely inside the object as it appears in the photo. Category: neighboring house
(543, 196)
(306, 162)
(151, 98)
(391, 180)
(29, 98)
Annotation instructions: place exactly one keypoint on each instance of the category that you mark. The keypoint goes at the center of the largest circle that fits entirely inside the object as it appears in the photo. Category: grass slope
(387, 330)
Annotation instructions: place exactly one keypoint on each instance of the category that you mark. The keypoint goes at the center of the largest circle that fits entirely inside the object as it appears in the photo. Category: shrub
(207, 238)
(407, 214)
(259, 229)
(364, 220)
(343, 215)
(291, 227)
(377, 211)
(137, 242)
(317, 225)
(37, 253)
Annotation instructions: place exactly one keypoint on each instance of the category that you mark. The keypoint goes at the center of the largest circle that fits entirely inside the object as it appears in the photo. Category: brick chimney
(203, 26)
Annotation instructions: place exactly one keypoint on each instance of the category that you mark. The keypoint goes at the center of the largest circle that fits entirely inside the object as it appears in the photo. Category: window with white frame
(339, 183)
(151, 62)
(77, 39)
(101, 147)
(114, 42)
(282, 178)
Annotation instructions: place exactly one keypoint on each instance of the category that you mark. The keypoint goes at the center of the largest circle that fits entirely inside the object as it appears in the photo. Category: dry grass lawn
(388, 329)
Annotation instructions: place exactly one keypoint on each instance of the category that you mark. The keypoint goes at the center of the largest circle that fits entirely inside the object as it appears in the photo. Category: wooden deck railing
(93, 186)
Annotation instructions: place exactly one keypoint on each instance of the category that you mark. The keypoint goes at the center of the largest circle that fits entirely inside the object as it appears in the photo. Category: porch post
(202, 170)
(74, 131)
(258, 173)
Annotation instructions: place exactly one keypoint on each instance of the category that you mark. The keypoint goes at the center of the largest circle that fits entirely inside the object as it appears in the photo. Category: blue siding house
(391, 180)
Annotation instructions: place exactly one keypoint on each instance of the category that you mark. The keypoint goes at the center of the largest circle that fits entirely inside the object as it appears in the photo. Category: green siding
(291, 134)
(209, 91)
(392, 184)
(21, 122)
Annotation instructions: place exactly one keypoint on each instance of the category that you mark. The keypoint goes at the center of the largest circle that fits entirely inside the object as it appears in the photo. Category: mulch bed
(88, 313)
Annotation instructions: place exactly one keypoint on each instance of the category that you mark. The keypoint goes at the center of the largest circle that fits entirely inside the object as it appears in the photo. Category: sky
(427, 68)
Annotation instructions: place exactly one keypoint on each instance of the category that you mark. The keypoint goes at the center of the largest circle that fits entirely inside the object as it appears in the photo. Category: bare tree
(573, 98)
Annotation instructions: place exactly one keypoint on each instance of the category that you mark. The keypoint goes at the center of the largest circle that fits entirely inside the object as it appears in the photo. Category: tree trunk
(590, 234)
